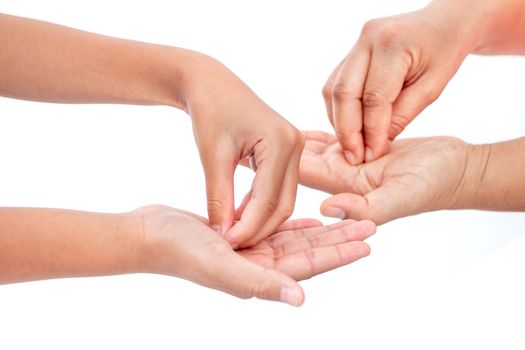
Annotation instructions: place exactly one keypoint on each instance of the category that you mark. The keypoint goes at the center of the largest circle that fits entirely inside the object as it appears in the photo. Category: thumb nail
(350, 158)
(369, 156)
(291, 295)
(334, 212)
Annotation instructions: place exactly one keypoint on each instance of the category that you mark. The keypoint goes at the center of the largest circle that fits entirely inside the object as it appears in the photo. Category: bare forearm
(51, 243)
(47, 62)
(491, 26)
(494, 178)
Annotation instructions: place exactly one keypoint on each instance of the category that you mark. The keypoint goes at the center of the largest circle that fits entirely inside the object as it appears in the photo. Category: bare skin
(401, 64)
(46, 62)
(53, 243)
(417, 175)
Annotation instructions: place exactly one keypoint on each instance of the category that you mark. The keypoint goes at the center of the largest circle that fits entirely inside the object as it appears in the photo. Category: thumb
(219, 173)
(411, 102)
(246, 279)
(354, 206)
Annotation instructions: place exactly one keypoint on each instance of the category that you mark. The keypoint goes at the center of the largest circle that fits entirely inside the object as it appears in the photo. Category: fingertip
(370, 226)
(353, 147)
(366, 250)
(360, 230)
(369, 155)
(376, 148)
(238, 236)
(232, 237)
(333, 212)
(292, 295)
(353, 205)
(351, 158)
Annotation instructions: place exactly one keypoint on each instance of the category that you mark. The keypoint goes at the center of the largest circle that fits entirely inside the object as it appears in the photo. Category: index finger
(260, 211)
(346, 101)
(385, 79)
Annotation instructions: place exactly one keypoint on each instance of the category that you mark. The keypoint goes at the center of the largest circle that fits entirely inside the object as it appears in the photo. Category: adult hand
(398, 66)
(417, 175)
(231, 123)
(182, 244)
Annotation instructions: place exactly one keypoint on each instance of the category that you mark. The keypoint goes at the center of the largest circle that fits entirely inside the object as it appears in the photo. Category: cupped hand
(182, 244)
(231, 123)
(398, 66)
(417, 175)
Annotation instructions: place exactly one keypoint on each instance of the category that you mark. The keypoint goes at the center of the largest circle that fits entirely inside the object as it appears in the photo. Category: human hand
(417, 175)
(231, 123)
(182, 244)
(398, 66)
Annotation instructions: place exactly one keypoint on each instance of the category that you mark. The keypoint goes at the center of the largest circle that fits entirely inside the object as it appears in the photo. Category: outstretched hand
(417, 175)
(182, 244)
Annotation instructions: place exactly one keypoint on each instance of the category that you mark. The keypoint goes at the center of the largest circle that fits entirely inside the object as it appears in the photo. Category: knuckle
(385, 31)
(291, 137)
(311, 257)
(341, 92)
(371, 26)
(314, 241)
(327, 91)
(286, 211)
(215, 206)
(260, 287)
(373, 98)
(300, 142)
(269, 205)
(430, 94)
(397, 125)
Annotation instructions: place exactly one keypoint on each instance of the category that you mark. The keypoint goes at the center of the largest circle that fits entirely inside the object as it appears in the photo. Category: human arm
(48, 62)
(401, 64)
(417, 175)
(52, 243)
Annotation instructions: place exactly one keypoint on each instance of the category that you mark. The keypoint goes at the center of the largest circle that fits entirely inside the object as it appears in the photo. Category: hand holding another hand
(417, 175)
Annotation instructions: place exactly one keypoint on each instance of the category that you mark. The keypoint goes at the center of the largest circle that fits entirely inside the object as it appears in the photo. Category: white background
(439, 280)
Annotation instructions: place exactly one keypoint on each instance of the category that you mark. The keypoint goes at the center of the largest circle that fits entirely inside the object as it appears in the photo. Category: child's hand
(231, 123)
(417, 175)
(182, 244)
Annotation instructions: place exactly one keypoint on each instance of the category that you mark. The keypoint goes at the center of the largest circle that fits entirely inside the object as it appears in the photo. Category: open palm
(186, 246)
(417, 175)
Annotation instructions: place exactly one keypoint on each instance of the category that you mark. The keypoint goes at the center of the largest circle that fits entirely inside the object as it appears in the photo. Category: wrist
(207, 84)
(154, 251)
(471, 21)
(134, 254)
(470, 185)
(170, 75)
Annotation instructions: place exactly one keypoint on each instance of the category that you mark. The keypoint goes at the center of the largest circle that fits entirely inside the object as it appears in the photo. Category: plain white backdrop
(439, 280)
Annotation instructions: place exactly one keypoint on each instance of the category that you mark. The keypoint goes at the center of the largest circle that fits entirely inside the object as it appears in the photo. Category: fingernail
(290, 295)
(350, 158)
(217, 228)
(334, 212)
(231, 241)
(369, 156)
